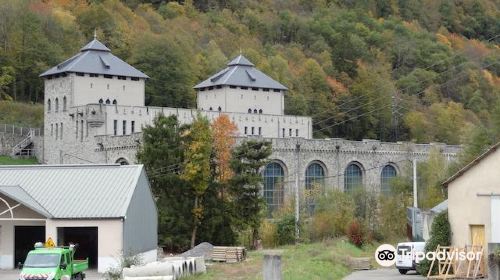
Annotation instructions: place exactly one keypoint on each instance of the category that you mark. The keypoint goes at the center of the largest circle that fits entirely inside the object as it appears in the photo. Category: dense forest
(387, 69)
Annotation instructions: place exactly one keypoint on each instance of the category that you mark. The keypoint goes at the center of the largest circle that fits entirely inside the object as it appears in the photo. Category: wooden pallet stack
(228, 254)
(452, 268)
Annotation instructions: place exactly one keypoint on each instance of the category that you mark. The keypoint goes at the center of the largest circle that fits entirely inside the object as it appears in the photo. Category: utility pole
(297, 205)
(415, 201)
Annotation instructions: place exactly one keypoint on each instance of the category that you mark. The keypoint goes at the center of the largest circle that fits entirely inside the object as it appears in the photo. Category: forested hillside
(387, 69)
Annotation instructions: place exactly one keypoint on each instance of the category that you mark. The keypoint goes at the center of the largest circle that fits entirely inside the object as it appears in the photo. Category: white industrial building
(108, 210)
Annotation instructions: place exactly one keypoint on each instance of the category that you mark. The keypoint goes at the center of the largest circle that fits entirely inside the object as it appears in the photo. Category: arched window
(65, 103)
(273, 185)
(101, 101)
(389, 172)
(255, 111)
(249, 111)
(315, 182)
(114, 102)
(219, 109)
(210, 109)
(107, 101)
(353, 177)
(57, 104)
(122, 161)
(49, 105)
(260, 111)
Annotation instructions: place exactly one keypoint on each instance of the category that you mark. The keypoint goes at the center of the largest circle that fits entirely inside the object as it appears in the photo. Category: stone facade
(81, 126)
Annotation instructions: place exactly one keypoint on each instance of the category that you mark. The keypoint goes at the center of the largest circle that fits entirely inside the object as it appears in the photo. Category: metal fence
(10, 129)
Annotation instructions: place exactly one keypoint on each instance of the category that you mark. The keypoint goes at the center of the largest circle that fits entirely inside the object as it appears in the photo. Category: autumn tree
(197, 145)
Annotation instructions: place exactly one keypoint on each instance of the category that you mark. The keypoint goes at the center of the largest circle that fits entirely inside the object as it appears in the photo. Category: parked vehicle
(53, 263)
(405, 256)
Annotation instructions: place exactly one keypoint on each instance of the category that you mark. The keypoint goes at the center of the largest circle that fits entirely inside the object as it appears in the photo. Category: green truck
(53, 263)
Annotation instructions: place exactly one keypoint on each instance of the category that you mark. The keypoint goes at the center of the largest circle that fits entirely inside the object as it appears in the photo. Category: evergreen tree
(248, 159)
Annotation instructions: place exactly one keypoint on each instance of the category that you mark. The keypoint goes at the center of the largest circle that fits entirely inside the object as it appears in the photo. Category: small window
(76, 130)
(276, 90)
(124, 127)
(219, 86)
(265, 89)
(51, 129)
(260, 130)
(57, 104)
(114, 101)
(255, 89)
(249, 111)
(134, 79)
(219, 109)
(260, 111)
(81, 130)
(253, 130)
(132, 126)
(290, 132)
(210, 109)
(49, 105)
(57, 131)
(232, 86)
(62, 132)
(108, 76)
(108, 101)
(115, 127)
(210, 88)
(246, 130)
(94, 75)
(80, 74)
(101, 101)
(107, 86)
(202, 89)
(123, 88)
(283, 133)
(244, 88)
(242, 96)
(255, 111)
(91, 85)
(64, 103)
(122, 78)
(296, 133)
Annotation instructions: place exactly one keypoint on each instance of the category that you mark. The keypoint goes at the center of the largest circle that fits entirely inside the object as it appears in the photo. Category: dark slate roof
(241, 72)
(95, 58)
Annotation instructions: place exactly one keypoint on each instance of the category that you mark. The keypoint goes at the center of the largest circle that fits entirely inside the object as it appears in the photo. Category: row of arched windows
(274, 181)
(101, 101)
(255, 111)
(56, 104)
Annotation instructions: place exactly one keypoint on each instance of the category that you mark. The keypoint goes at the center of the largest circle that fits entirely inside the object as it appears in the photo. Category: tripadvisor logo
(385, 255)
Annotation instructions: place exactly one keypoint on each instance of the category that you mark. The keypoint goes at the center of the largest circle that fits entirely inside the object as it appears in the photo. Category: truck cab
(56, 263)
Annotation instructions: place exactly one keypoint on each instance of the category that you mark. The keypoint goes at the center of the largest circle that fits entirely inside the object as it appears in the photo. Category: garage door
(25, 238)
(85, 237)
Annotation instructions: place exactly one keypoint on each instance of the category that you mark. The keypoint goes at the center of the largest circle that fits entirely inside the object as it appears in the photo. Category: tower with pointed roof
(241, 88)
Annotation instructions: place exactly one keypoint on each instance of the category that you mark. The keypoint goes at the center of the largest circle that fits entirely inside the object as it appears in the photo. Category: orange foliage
(335, 86)
(223, 130)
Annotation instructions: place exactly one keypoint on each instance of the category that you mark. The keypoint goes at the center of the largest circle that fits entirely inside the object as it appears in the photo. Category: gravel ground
(383, 274)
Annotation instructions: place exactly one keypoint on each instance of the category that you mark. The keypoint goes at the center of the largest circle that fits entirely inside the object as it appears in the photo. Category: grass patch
(5, 160)
(316, 261)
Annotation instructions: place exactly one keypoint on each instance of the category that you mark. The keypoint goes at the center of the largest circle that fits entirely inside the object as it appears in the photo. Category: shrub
(333, 212)
(440, 235)
(268, 234)
(115, 273)
(286, 229)
(355, 233)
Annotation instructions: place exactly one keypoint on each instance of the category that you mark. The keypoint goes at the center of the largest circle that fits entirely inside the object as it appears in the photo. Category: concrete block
(272, 265)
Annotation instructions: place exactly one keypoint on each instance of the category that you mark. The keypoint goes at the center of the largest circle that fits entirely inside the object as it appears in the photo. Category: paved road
(382, 274)
(14, 274)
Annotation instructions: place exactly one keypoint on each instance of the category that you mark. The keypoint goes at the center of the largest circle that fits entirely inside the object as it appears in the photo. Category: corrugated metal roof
(95, 58)
(18, 194)
(241, 72)
(76, 191)
(443, 206)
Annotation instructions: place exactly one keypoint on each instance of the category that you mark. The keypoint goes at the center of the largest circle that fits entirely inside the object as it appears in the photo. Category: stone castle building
(95, 111)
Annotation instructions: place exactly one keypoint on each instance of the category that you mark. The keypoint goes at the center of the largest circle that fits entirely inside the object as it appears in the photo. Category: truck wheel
(403, 271)
(78, 277)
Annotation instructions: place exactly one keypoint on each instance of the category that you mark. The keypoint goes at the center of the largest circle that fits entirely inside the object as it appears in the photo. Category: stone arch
(315, 175)
(354, 175)
(389, 171)
(122, 161)
(274, 175)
